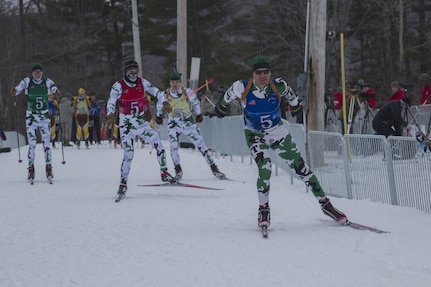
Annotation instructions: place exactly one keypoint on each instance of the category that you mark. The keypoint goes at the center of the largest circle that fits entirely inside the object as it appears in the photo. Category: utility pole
(316, 95)
(136, 37)
(182, 40)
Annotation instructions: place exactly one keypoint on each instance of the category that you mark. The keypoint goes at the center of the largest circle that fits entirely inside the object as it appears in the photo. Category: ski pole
(62, 137)
(209, 81)
(16, 127)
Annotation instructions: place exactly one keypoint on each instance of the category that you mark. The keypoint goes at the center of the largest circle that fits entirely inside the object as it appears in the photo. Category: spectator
(53, 115)
(391, 118)
(338, 99)
(235, 109)
(66, 118)
(81, 104)
(37, 116)
(425, 83)
(396, 92)
(94, 123)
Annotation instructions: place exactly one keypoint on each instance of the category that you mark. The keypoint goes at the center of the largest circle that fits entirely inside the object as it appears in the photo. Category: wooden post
(316, 102)
(182, 40)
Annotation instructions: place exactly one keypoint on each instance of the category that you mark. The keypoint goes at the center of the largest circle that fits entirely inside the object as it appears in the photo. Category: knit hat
(259, 62)
(395, 84)
(424, 77)
(175, 76)
(131, 64)
(36, 67)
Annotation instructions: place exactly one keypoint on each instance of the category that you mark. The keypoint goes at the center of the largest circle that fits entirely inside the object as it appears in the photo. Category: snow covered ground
(72, 233)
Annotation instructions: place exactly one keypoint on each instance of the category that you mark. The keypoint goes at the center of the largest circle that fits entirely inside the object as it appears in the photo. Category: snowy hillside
(72, 233)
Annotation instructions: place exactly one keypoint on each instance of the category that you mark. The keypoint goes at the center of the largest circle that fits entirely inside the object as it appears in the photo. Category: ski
(233, 180)
(358, 226)
(179, 184)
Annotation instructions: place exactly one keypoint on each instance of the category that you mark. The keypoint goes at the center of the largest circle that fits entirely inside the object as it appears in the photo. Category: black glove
(159, 120)
(296, 110)
(220, 110)
(199, 118)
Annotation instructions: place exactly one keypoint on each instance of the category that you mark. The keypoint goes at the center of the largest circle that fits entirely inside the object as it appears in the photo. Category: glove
(199, 118)
(159, 120)
(280, 82)
(420, 137)
(167, 108)
(13, 92)
(220, 110)
(296, 110)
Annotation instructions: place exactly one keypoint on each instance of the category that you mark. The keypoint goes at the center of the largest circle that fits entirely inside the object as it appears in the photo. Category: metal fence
(393, 170)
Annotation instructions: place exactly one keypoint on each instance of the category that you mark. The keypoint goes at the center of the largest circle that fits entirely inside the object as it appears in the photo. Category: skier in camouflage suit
(129, 95)
(37, 88)
(176, 103)
(264, 130)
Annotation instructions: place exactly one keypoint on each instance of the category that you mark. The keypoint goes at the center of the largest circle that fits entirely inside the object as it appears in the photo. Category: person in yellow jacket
(81, 104)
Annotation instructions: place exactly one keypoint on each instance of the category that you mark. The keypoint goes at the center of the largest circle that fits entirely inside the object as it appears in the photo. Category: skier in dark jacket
(390, 119)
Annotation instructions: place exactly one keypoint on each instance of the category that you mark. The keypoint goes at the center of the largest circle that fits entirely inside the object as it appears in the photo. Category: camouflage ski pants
(187, 127)
(281, 142)
(130, 128)
(43, 123)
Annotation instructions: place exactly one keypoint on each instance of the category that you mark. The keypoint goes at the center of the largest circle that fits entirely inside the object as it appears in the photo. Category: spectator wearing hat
(94, 126)
(425, 83)
(66, 118)
(129, 95)
(178, 103)
(264, 130)
(390, 120)
(37, 88)
(396, 92)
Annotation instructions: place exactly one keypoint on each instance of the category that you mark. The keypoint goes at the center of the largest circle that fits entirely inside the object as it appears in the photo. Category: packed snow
(72, 233)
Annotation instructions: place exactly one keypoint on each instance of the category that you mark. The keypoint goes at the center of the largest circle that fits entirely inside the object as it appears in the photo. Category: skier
(129, 94)
(81, 104)
(264, 130)
(36, 90)
(176, 103)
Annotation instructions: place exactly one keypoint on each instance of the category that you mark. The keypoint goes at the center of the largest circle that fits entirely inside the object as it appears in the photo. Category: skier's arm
(234, 91)
(21, 86)
(114, 95)
(195, 103)
(287, 92)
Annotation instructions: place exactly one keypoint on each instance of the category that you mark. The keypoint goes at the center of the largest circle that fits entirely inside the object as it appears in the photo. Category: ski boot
(217, 172)
(87, 145)
(178, 172)
(332, 212)
(49, 174)
(263, 216)
(166, 176)
(78, 144)
(30, 173)
(121, 191)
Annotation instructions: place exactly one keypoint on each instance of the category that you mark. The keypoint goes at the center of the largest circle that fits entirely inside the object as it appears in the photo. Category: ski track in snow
(72, 233)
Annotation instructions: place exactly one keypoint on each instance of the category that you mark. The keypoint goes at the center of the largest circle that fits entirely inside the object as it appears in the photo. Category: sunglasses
(260, 72)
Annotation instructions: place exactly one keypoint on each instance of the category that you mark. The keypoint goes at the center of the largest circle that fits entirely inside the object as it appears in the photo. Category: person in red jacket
(369, 96)
(425, 83)
(396, 92)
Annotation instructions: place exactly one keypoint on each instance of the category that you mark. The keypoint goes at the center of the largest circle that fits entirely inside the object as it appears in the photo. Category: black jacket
(390, 115)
